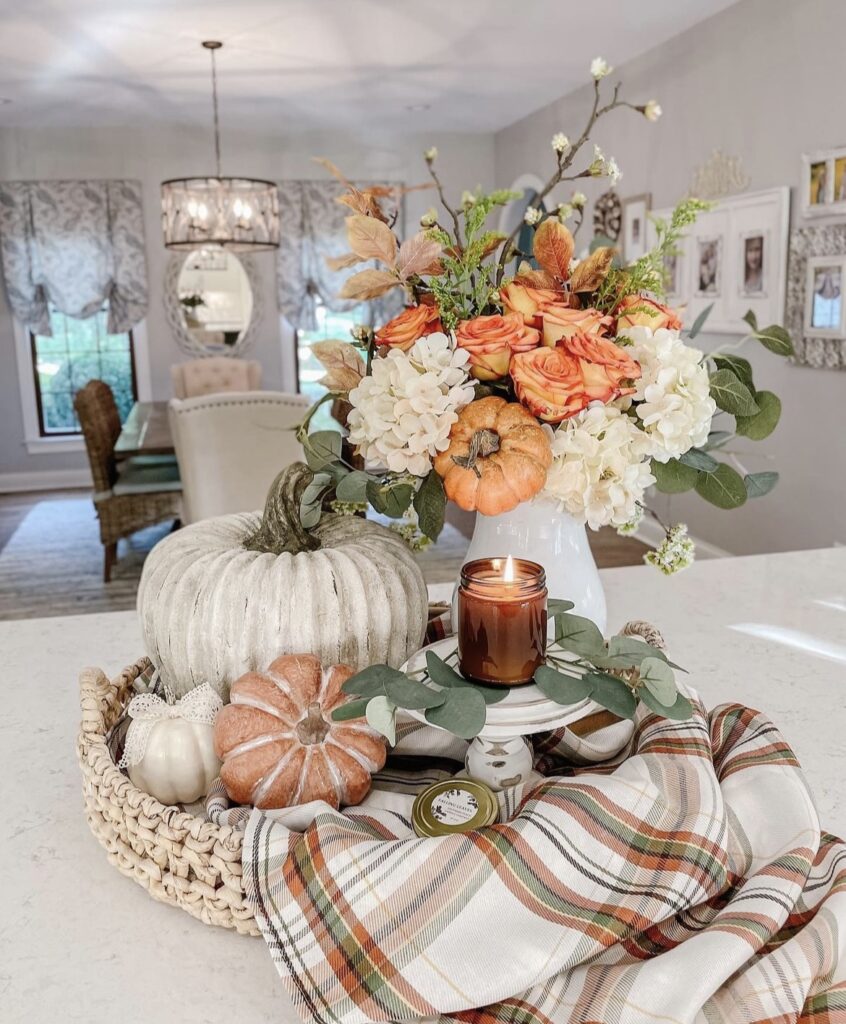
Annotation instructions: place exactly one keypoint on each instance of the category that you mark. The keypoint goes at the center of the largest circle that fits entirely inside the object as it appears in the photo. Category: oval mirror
(215, 299)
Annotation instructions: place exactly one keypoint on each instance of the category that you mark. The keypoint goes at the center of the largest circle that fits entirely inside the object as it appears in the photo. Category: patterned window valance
(312, 228)
(73, 244)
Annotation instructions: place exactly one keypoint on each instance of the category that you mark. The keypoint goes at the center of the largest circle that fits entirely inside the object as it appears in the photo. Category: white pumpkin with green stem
(227, 595)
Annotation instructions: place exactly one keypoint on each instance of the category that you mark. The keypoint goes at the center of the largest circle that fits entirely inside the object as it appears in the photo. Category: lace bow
(199, 706)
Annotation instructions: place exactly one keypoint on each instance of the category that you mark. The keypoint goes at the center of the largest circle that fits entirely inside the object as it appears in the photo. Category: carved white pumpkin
(228, 595)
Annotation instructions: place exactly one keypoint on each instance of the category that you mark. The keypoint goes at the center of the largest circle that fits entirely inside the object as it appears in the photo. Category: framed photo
(825, 307)
(754, 263)
(709, 266)
(635, 211)
(674, 274)
(824, 183)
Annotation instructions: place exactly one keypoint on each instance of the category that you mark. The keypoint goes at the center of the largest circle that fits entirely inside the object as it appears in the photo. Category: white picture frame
(635, 226)
(753, 279)
(823, 185)
(825, 314)
(733, 219)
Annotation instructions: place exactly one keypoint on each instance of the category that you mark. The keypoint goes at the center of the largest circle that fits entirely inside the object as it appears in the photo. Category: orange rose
(637, 311)
(409, 326)
(562, 322)
(491, 341)
(520, 298)
(556, 383)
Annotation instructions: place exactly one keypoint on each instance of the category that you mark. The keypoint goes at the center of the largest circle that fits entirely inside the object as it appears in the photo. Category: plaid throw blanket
(683, 880)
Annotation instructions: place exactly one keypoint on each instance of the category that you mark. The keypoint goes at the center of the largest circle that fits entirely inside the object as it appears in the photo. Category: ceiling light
(241, 214)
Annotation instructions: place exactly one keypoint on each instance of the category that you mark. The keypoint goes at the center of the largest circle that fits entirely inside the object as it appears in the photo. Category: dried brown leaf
(342, 262)
(416, 255)
(370, 239)
(553, 248)
(592, 271)
(368, 284)
(363, 203)
(530, 278)
(493, 244)
(345, 367)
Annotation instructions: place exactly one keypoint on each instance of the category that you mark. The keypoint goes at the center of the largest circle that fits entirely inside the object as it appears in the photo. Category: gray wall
(762, 81)
(153, 154)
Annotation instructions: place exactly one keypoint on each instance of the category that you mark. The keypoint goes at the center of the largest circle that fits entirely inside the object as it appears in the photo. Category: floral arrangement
(619, 674)
(562, 378)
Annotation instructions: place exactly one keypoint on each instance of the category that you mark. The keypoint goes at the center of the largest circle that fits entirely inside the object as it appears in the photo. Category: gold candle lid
(454, 805)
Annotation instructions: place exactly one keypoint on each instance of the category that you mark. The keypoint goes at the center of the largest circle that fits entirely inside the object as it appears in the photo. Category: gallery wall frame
(634, 227)
(823, 185)
(734, 258)
(812, 248)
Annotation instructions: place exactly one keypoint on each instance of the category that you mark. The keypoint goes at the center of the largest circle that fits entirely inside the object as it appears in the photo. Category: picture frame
(823, 185)
(709, 266)
(634, 230)
(825, 302)
(753, 260)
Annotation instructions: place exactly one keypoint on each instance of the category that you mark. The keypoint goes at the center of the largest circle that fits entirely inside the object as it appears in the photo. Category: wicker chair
(127, 497)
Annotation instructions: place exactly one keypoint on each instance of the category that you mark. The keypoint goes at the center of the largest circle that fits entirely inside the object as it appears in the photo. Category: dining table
(81, 942)
(145, 432)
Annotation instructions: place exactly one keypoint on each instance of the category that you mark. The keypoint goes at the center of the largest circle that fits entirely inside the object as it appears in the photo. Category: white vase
(539, 531)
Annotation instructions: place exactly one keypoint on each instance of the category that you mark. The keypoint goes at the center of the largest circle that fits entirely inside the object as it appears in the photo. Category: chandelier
(241, 214)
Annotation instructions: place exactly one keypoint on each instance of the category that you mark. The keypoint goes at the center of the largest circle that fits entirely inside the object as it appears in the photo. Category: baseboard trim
(652, 533)
(44, 480)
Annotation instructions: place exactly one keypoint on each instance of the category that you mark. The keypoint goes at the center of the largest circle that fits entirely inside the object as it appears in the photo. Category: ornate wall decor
(608, 215)
(719, 176)
(806, 244)
(187, 339)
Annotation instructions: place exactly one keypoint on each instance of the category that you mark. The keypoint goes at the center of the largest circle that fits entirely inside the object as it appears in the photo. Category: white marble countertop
(79, 942)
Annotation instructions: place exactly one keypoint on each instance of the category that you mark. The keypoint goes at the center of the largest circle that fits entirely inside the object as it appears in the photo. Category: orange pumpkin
(497, 457)
(279, 744)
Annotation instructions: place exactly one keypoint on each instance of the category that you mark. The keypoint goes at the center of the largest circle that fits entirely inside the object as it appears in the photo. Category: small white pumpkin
(228, 595)
(169, 751)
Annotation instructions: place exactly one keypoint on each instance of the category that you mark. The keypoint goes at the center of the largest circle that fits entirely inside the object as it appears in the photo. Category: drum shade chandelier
(241, 214)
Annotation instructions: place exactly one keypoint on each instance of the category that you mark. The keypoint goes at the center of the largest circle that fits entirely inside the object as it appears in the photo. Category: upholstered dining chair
(230, 448)
(130, 495)
(214, 375)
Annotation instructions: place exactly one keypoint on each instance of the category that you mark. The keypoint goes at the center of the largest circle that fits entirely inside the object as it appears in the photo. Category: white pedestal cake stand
(501, 755)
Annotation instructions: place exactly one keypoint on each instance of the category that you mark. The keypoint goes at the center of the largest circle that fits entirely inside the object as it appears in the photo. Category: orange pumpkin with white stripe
(280, 746)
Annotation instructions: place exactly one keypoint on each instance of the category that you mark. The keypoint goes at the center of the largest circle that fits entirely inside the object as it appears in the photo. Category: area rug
(683, 880)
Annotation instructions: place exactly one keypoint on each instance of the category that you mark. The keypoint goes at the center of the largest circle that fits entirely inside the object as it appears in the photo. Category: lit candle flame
(508, 574)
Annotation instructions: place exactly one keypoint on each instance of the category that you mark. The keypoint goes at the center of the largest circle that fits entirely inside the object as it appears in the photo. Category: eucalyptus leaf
(764, 422)
(680, 711)
(673, 477)
(699, 322)
(316, 486)
(412, 694)
(430, 506)
(723, 488)
(731, 394)
(562, 688)
(353, 487)
(578, 634)
(740, 367)
(759, 484)
(353, 709)
(751, 319)
(392, 500)
(776, 339)
(657, 677)
(555, 606)
(322, 448)
(462, 713)
(697, 459)
(612, 693)
(310, 515)
(372, 681)
(716, 439)
(445, 675)
(381, 716)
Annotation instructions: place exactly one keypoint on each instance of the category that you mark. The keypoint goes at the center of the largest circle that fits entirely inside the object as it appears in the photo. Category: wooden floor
(51, 560)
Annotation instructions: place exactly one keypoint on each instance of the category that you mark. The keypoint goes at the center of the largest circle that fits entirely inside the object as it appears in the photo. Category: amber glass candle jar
(501, 620)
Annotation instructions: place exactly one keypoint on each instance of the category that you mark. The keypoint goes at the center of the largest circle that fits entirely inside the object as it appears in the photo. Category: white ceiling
(300, 65)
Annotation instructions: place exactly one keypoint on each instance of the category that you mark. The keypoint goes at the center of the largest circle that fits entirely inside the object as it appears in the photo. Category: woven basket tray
(180, 859)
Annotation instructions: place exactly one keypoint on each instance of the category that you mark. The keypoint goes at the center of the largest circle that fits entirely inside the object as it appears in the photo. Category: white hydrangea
(403, 412)
(599, 68)
(600, 466)
(673, 399)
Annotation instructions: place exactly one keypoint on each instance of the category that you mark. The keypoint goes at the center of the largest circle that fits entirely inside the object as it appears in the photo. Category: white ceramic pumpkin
(227, 595)
(169, 751)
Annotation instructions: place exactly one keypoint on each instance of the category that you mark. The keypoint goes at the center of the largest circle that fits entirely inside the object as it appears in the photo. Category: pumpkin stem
(313, 727)
(482, 444)
(281, 530)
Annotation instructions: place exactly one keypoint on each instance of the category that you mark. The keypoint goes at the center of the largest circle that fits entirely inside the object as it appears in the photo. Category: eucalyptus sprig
(580, 665)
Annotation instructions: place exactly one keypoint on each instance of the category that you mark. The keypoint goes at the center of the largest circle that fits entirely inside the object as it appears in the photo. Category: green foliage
(731, 394)
(430, 505)
(696, 458)
(699, 322)
(759, 484)
(723, 488)
(764, 422)
(674, 477)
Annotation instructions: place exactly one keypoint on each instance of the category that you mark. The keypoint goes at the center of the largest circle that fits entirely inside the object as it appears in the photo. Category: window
(309, 368)
(79, 351)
